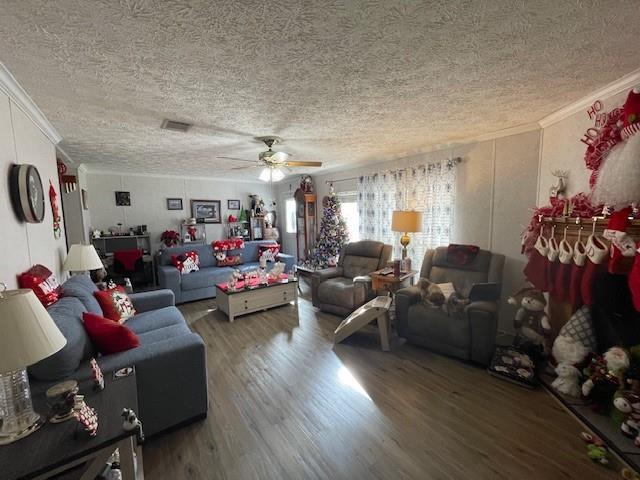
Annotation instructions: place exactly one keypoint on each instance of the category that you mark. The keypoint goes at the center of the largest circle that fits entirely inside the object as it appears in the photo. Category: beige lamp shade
(406, 221)
(28, 334)
(82, 258)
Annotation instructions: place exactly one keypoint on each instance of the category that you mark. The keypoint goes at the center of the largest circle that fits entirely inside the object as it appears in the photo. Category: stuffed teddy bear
(568, 380)
(531, 322)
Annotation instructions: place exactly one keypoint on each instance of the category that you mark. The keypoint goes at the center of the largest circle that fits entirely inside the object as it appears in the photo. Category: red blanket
(460, 255)
(128, 258)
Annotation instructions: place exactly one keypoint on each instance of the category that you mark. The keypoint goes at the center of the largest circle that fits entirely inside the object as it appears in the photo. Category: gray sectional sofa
(201, 284)
(170, 362)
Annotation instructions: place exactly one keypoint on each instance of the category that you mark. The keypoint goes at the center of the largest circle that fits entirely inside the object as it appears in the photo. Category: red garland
(582, 208)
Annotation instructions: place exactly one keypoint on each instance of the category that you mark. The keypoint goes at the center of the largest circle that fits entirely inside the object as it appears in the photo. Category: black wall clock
(27, 194)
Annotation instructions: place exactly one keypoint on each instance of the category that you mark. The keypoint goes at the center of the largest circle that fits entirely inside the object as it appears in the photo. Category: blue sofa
(202, 284)
(170, 362)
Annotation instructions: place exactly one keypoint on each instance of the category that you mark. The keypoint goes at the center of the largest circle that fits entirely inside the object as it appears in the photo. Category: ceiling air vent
(175, 125)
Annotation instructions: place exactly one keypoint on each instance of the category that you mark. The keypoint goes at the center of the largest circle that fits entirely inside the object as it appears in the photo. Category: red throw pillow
(115, 304)
(269, 251)
(108, 336)
(43, 283)
(230, 261)
(187, 262)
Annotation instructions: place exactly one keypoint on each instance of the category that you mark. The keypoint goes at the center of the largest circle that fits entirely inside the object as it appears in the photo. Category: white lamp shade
(406, 221)
(82, 258)
(28, 334)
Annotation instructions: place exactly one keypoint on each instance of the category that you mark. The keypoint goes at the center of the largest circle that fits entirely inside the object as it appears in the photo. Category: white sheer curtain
(429, 188)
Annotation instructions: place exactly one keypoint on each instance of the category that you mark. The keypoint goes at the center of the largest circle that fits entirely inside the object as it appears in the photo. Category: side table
(389, 282)
(55, 448)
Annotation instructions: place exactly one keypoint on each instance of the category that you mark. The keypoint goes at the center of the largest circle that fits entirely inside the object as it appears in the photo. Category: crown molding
(10, 86)
(101, 171)
(628, 81)
(65, 156)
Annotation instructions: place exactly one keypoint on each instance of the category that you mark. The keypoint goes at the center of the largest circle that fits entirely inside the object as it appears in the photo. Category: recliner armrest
(327, 273)
(320, 276)
(362, 279)
(482, 306)
(405, 298)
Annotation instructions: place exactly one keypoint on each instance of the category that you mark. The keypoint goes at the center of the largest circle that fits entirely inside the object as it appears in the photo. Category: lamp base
(404, 241)
(17, 417)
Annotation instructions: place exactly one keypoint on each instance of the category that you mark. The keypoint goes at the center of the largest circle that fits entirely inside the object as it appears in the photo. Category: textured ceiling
(342, 81)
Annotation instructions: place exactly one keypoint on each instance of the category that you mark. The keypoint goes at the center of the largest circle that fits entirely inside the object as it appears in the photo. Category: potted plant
(170, 238)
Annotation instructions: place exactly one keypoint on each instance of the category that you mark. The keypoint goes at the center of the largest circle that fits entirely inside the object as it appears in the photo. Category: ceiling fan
(272, 162)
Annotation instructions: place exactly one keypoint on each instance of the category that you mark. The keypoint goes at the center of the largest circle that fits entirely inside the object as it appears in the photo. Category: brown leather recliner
(346, 287)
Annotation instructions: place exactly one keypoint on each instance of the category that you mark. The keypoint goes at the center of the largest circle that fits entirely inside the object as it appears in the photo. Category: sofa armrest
(288, 260)
(483, 325)
(153, 300)
(320, 276)
(364, 279)
(405, 297)
(169, 277)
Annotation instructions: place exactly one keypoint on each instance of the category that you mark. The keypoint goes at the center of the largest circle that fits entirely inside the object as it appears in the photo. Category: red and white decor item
(115, 304)
(88, 419)
(53, 199)
(96, 374)
(43, 283)
(187, 262)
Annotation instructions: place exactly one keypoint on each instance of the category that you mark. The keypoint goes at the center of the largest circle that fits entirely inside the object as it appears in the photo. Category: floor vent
(175, 125)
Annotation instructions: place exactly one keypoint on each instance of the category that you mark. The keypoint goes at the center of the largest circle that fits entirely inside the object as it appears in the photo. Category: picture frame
(123, 199)
(206, 211)
(233, 204)
(174, 204)
(84, 196)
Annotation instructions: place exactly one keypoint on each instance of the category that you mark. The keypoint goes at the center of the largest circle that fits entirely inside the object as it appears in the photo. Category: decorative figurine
(88, 419)
(132, 422)
(98, 377)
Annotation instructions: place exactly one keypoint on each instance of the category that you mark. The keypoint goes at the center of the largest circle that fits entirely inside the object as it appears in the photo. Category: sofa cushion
(109, 336)
(162, 334)
(155, 319)
(337, 291)
(206, 277)
(433, 323)
(67, 315)
(82, 288)
(354, 265)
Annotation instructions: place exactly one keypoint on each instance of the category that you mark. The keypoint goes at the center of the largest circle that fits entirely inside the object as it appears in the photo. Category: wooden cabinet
(305, 223)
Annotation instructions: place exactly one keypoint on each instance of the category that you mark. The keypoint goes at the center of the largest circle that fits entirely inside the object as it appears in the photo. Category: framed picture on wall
(174, 204)
(123, 199)
(233, 204)
(206, 211)
(85, 199)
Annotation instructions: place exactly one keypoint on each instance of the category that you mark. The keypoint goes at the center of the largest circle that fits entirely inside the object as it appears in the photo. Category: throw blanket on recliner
(460, 255)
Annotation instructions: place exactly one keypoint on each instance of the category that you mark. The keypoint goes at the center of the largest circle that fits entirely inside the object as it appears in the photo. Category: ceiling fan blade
(239, 159)
(302, 164)
(243, 167)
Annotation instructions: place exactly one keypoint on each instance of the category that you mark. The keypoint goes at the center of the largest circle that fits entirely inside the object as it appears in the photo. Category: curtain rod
(328, 182)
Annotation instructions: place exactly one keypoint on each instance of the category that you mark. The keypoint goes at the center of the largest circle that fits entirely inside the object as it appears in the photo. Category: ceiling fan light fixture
(271, 174)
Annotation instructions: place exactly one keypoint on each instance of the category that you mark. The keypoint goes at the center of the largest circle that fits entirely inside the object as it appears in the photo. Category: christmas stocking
(535, 270)
(554, 264)
(634, 281)
(563, 274)
(596, 263)
(577, 270)
(623, 248)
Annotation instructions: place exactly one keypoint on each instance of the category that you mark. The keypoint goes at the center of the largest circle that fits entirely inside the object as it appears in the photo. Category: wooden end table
(389, 282)
(55, 448)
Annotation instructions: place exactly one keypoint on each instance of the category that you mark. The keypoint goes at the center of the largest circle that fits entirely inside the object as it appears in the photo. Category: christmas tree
(332, 236)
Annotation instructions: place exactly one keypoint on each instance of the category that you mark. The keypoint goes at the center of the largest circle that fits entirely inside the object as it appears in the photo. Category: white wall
(149, 201)
(496, 189)
(562, 149)
(25, 244)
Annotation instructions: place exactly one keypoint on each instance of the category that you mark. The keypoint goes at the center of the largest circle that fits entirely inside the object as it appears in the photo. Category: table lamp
(406, 221)
(28, 334)
(82, 258)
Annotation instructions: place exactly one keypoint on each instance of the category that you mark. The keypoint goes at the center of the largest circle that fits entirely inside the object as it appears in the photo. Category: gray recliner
(469, 335)
(346, 287)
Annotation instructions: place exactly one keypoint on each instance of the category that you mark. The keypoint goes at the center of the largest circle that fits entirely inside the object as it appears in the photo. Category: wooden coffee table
(260, 297)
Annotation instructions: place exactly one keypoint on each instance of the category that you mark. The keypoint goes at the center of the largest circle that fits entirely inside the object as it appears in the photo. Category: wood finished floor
(285, 404)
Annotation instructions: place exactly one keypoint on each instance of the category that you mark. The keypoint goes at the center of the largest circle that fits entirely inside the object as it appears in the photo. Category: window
(290, 214)
(350, 214)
